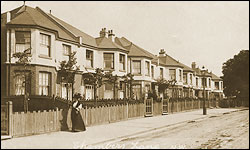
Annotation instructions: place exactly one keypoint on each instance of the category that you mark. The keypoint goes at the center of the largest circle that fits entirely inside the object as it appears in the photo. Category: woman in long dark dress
(76, 117)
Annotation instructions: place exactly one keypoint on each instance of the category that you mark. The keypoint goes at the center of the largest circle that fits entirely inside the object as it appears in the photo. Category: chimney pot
(110, 35)
(193, 65)
(50, 11)
(162, 52)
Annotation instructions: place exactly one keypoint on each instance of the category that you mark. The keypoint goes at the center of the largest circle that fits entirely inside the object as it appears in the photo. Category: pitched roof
(104, 42)
(214, 77)
(169, 61)
(26, 15)
(186, 68)
(86, 39)
(32, 16)
(198, 72)
(133, 49)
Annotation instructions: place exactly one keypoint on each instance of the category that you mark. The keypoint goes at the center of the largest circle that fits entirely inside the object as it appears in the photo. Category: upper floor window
(122, 62)
(66, 49)
(136, 67)
(44, 83)
(180, 75)
(45, 44)
(152, 71)
(147, 67)
(89, 58)
(197, 83)
(185, 78)
(161, 73)
(191, 78)
(23, 40)
(209, 82)
(108, 60)
(172, 74)
(204, 82)
(216, 85)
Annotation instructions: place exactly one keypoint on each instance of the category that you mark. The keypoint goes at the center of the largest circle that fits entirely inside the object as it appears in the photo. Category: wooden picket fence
(31, 123)
(37, 122)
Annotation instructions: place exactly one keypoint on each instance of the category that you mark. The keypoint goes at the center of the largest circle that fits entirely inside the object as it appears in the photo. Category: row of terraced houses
(50, 40)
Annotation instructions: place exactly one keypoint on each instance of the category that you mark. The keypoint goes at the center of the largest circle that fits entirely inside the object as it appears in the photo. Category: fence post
(86, 115)
(10, 118)
(177, 102)
(184, 103)
(109, 112)
(127, 110)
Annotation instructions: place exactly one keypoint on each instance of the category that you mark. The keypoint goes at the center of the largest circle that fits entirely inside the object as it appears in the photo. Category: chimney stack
(103, 32)
(8, 17)
(110, 35)
(193, 65)
(162, 52)
(49, 11)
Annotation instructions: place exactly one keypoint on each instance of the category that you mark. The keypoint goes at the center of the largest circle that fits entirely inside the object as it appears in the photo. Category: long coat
(76, 117)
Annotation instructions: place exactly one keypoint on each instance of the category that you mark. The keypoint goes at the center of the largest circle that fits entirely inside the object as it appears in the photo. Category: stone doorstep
(5, 137)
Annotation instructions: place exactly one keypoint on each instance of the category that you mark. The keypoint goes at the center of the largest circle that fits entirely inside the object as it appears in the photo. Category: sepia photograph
(124, 74)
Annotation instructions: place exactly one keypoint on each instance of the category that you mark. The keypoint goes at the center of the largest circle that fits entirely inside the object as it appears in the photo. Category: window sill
(92, 68)
(122, 70)
(65, 54)
(137, 74)
(46, 57)
(108, 69)
(28, 54)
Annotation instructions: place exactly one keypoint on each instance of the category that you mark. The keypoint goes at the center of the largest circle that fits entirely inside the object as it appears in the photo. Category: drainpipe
(8, 93)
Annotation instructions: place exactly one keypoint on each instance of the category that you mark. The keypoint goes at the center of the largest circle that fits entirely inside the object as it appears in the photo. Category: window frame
(112, 61)
(136, 61)
(191, 78)
(185, 81)
(123, 63)
(24, 43)
(147, 68)
(42, 86)
(170, 75)
(42, 45)
(64, 50)
(180, 75)
(90, 59)
(152, 71)
(161, 73)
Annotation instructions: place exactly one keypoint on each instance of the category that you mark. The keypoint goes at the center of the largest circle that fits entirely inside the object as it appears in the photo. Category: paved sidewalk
(101, 133)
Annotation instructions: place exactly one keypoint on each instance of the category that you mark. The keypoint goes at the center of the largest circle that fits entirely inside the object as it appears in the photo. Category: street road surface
(226, 131)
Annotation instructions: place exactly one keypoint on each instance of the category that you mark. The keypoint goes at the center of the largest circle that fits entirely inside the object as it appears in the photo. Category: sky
(206, 32)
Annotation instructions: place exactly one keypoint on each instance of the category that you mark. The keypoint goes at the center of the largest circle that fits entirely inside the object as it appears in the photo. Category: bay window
(108, 60)
(185, 78)
(44, 45)
(23, 40)
(147, 68)
(122, 62)
(172, 74)
(136, 68)
(161, 73)
(19, 84)
(44, 83)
